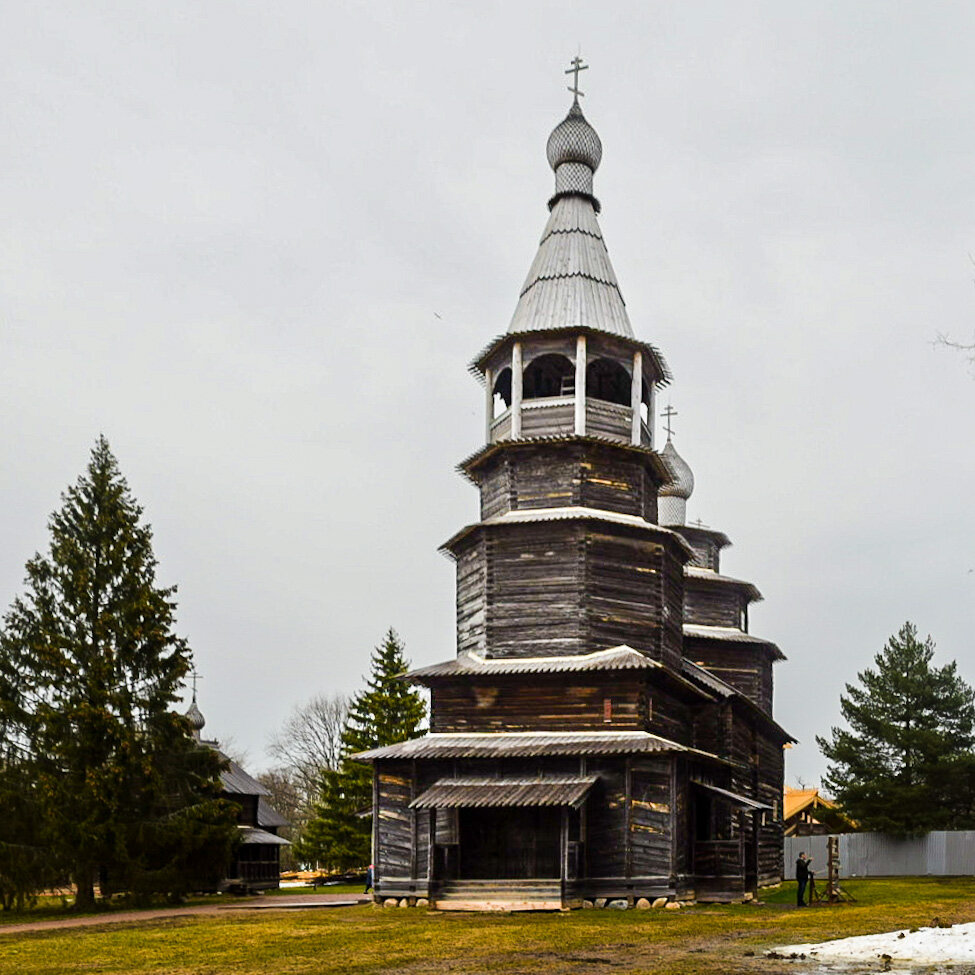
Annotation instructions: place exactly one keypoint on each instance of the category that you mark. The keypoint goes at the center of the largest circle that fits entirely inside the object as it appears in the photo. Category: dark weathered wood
(539, 578)
(712, 604)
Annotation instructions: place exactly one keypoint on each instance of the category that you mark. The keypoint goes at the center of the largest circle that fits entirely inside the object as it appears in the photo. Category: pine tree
(386, 712)
(90, 669)
(906, 765)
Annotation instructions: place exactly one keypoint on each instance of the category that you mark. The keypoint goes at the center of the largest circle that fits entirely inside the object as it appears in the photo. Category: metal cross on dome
(195, 676)
(668, 414)
(577, 66)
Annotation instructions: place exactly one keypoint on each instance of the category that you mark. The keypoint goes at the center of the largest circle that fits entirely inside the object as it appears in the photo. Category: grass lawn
(704, 940)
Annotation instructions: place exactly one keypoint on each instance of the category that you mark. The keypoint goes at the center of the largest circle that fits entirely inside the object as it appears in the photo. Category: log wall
(532, 476)
(583, 702)
(715, 604)
(746, 669)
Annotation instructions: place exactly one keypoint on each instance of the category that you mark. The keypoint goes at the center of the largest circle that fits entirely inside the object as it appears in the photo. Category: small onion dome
(681, 484)
(574, 140)
(195, 717)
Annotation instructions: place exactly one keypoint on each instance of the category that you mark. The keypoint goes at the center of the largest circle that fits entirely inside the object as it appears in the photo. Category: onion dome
(672, 496)
(195, 717)
(681, 484)
(574, 153)
(574, 140)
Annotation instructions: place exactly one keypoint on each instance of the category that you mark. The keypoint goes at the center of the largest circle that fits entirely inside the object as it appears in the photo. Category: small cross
(668, 415)
(577, 66)
(194, 676)
(698, 524)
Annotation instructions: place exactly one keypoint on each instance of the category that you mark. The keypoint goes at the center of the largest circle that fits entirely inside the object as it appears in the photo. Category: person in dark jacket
(803, 873)
(370, 873)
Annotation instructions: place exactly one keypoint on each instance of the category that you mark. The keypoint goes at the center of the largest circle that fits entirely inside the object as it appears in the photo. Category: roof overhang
(612, 660)
(696, 573)
(574, 513)
(653, 356)
(531, 744)
(728, 634)
(732, 797)
(469, 465)
(250, 834)
(475, 792)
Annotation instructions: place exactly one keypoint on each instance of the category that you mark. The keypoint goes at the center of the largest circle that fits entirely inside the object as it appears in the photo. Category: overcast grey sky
(257, 244)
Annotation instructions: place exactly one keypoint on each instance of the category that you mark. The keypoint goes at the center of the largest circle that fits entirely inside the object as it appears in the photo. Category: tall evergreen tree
(385, 712)
(90, 669)
(905, 766)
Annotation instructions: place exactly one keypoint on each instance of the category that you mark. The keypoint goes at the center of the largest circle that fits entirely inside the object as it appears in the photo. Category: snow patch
(954, 945)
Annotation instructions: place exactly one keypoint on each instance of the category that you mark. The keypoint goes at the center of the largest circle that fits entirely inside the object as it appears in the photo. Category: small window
(607, 710)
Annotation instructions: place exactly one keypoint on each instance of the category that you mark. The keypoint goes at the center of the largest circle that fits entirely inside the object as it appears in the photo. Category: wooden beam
(516, 385)
(628, 843)
(580, 404)
(488, 403)
(636, 397)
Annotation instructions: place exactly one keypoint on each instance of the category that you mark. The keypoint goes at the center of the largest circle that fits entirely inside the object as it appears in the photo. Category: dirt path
(253, 904)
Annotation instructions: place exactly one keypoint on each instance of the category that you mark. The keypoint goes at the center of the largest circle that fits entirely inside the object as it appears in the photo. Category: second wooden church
(605, 730)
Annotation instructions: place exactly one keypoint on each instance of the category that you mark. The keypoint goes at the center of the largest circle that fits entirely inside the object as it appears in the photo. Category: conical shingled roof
(571, 283)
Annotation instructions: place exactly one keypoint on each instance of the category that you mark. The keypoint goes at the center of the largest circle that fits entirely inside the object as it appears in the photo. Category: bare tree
(966, 348)
(311, 740)
(287, 800)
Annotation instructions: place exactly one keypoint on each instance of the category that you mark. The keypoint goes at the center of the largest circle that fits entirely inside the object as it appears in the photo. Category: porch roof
(732, 797)
(469, 791)
(250, 834)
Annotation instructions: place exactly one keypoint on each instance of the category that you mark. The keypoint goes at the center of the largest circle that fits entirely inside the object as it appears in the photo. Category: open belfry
(605, 730)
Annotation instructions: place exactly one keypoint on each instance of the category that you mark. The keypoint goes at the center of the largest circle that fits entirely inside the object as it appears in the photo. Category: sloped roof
(477, 791)
(730, 634)
(699, 573)
(571, 282)
(526, 744)
(798, 800)
(250, 834)
(470, 664)
(238, 782)
(521, 516)
(268, 816)
(715, 684)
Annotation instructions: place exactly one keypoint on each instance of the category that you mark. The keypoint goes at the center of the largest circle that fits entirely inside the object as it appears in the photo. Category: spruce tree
(90, 669)
(385, 712)
(905, 766)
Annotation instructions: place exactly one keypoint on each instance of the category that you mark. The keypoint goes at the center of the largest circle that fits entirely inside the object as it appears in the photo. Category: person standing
(802, 878)
(370, 875)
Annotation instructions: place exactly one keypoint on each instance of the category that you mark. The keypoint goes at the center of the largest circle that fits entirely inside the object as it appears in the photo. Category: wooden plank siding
(747, 669)
(549, 703)
(535, 580)
(471, 596)
(712, 604)
(559, 475)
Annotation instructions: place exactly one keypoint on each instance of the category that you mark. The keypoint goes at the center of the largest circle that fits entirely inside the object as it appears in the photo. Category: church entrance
(510, 843)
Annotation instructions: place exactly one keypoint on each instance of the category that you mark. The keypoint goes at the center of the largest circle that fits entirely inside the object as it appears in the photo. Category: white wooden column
(580, 426)
(636, 395)
(651, 410)
(488, 403)
(516, 391)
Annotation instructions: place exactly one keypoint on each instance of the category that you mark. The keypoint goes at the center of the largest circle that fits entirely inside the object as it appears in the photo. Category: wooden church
(605, 730)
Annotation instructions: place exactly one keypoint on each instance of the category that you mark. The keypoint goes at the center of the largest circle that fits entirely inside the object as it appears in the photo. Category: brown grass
(703, 940)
